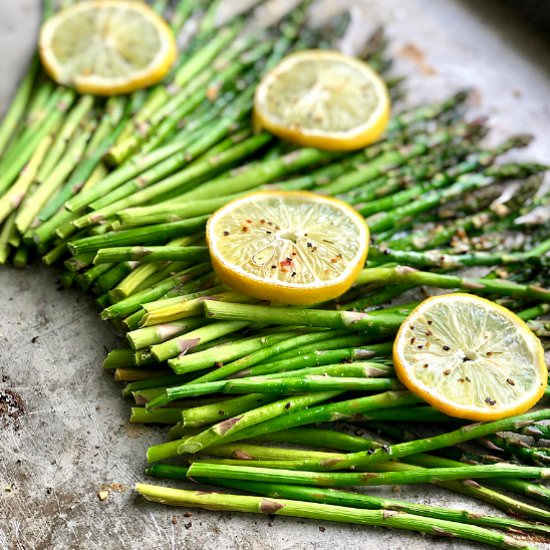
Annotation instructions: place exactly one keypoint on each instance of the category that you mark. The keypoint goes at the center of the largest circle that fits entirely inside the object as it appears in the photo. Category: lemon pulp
(323, 99)
(293, 247)
(107, 47)
(470, 358)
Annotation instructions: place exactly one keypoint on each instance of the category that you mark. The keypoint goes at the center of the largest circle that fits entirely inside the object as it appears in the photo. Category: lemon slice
(107, 47)
(290, 247)
(470, 358)
(324, 99)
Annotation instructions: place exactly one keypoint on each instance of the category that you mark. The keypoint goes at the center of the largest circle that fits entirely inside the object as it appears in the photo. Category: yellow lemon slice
(470, 358)
(290, 247)
(107, 47)
(324, 99)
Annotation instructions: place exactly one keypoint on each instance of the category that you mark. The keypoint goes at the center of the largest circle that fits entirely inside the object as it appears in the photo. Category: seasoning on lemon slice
(292, 247)
(470, 358)
(107, 47)
(324, 99)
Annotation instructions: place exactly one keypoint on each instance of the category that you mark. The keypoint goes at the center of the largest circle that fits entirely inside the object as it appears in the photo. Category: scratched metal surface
(72, 437)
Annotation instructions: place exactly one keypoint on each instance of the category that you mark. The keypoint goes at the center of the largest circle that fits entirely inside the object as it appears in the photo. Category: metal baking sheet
(67, 436)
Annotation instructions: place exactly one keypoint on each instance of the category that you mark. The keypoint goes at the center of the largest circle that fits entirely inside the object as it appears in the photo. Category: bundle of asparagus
(117, 192)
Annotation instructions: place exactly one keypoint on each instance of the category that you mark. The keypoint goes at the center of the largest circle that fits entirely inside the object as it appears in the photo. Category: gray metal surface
(67, 437)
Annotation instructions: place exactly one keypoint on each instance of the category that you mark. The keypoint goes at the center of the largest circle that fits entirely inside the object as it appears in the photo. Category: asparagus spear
(189, 279)
(151, 254)
(17, 106)
(356, 500)
(315, 358)
(470, 488)
(300, 417)
(376, 322)
(125, 147)
(149, 336)
(338, 479)
(35, 200)
(26, 145)
(15, 195)
(203, 415)
(223, 430)
(146, 235)
(172, 183)
(399, 450)
(409, 275)
(401, 520)
(440, 258)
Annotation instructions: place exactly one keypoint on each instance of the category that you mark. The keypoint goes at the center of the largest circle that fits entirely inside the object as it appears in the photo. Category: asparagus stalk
(515, 485)
(265, 352)
(394, 158)
(138, 415)
(147, 274)
(403, 215)
(322, 438)
(410, 276)
(78, 113)
(223, 430)
(240, 503)
(356, 370)
(26, 145)
(519, 448)
(82, 177)
(439, 258)
(149, 336)
(321, 413)
(182, 344)
(132, 168)
(34, 201)
(44, 98)
(400, 450)
(21, 257)
(182, 306)
(5, 232)
(211, 357)
(341, 441)
(203, 415)
(350, 340)
(375, 322)
(145, 235)
(15, 195)
(284, 385)
(321, 357)
(440, 179)
(357, 500)
(189, 279)
(309, 382)
(182, 11)
(338, 479)
(535, 491)
(168, 185)
(239, 452)
(198, 62)
(538, 431)
(427, 112)
(151, 254)
(175, 211)
(106, 281)
(18, 104)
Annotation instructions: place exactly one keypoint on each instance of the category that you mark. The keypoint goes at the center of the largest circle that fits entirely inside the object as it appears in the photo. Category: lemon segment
(324, 99)
(107, 47)
(288, 247)
(470, 358)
